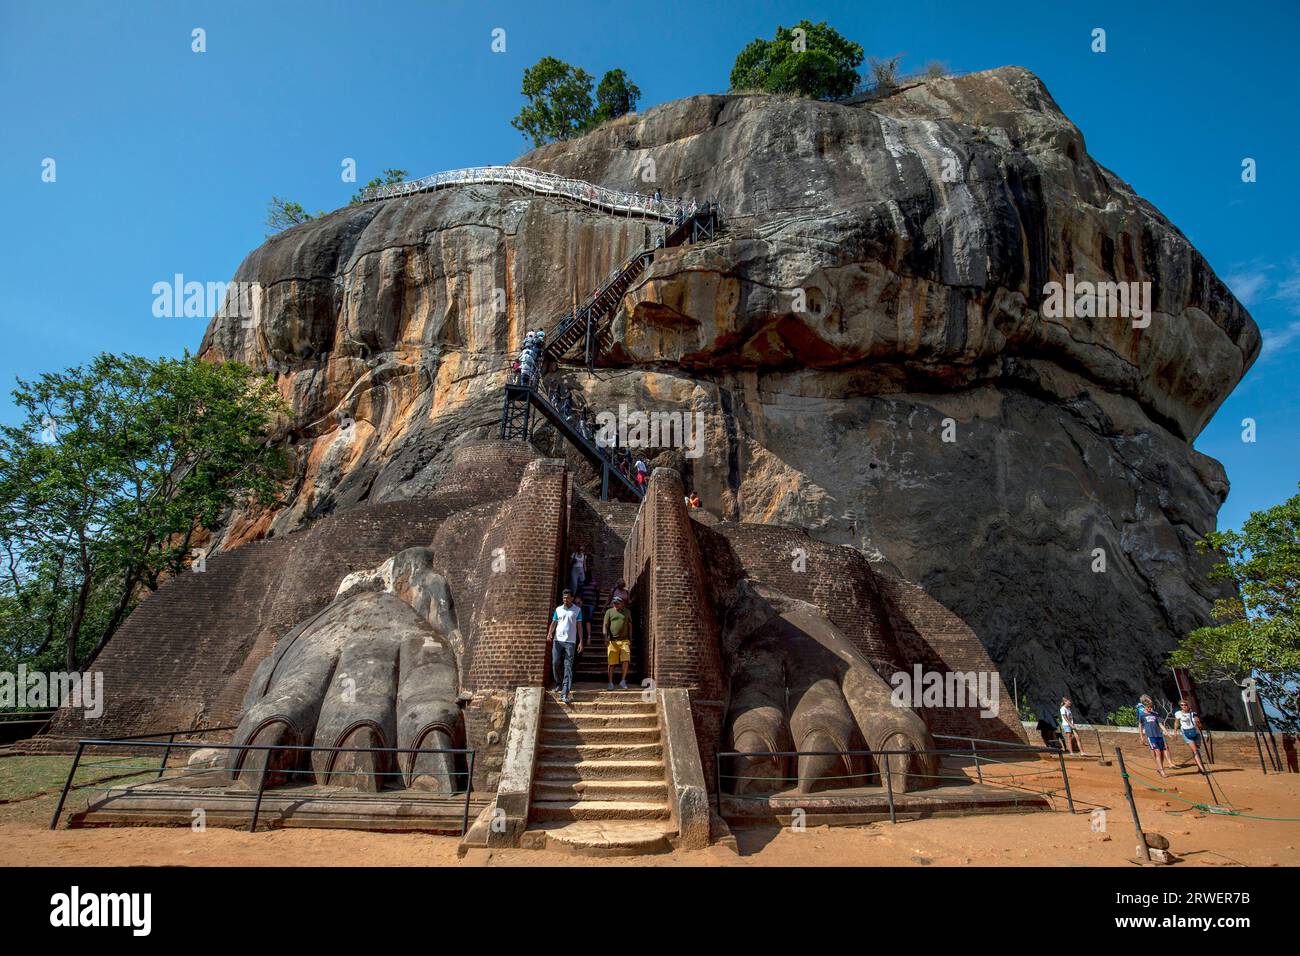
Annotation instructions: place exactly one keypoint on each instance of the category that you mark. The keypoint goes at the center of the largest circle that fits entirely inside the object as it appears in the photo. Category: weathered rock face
(866, 343)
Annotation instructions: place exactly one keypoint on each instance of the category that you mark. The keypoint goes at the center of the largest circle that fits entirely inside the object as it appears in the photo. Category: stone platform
(169, 803)
(858, 805)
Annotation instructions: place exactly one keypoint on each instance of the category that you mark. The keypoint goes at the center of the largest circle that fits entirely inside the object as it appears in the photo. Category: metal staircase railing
(591, 322)
(549, 184)
(517, 423)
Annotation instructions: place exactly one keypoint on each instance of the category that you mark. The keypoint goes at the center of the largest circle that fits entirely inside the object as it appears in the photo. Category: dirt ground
(1197, 838)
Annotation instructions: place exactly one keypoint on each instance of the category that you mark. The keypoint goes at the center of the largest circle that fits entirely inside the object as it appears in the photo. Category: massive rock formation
(866, 342)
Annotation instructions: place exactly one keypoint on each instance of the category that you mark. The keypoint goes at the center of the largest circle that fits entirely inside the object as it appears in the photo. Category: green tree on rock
(1258, 634)
(811, 59)
(559, 101)
(281, 214)
(391, 177)
(615, 96)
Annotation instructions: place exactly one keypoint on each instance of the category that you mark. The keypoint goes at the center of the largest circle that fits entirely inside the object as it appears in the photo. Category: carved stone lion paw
(799, 684)
(375, 668)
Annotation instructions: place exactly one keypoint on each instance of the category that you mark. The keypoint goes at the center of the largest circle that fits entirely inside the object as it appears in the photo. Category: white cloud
(1247, 284)
(1278, 340)
(1253, 283)
(1288, 290)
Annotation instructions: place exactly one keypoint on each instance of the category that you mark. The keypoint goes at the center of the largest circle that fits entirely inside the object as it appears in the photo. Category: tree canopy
(390, 178)
(106, 480)
(282, 213)
(560, 104)
(811, 59)
(1258, 629)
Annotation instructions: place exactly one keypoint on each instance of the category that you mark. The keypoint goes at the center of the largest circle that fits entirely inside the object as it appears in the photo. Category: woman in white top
(1068, 727)
(1189, 722)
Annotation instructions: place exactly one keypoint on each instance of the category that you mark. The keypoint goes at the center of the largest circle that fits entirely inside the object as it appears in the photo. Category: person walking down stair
(578, 568)
(617, 629)
(566, 629)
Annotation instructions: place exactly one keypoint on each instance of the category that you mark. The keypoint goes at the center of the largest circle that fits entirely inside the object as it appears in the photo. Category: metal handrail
(602, 452)
(261, 782)
(534, 180)
(885, 764)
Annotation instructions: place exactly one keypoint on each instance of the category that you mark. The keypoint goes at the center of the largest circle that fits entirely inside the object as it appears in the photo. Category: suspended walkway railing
(545, 184)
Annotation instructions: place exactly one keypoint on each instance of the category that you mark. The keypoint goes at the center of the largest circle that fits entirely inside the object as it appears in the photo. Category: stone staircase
(599, 783)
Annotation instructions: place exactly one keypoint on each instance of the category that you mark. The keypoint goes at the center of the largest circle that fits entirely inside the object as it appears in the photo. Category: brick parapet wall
(520, 566)
(666, 571)
(670, 594)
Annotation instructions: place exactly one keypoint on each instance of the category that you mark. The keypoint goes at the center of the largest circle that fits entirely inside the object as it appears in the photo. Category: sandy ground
(1198, 838)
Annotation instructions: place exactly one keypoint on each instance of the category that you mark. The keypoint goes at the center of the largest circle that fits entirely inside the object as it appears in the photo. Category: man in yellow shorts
(618, 639)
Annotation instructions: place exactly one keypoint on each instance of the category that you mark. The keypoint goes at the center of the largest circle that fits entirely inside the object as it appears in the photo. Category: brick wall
(666, 573)
(519, 566)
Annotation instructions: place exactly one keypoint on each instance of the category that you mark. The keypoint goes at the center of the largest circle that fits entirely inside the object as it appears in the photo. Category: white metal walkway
(546, 184)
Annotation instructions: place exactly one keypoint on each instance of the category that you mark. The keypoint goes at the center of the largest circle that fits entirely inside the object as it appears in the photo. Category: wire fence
(148, 743)
(883, 774)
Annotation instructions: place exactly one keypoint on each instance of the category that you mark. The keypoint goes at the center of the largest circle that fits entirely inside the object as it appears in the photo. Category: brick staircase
(599, 783)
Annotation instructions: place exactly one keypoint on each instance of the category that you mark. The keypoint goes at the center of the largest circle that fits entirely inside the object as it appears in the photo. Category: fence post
(1259, 751)
(1128, 792)
(1069, 798)
(54, 821)
(167, 752)
(978, 772)
(717, 794)
(889, 790)
(469, 785)
(261, 788)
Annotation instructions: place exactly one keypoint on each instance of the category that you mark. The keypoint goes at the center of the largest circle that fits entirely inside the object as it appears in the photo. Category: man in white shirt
(566, 624)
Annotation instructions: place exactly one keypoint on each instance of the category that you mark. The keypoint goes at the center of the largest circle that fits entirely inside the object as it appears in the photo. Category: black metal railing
(145, 741)
(610, 459)
(18, 724)
(885, 769)
(568, 329)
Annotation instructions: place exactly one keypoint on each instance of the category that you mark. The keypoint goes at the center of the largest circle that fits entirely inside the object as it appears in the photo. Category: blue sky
(166, 158)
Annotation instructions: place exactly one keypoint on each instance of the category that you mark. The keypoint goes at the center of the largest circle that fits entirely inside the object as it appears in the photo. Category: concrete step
(558, 720)
(633, 791)
(573, 753)
(600, 735)
(599, 707)
(590, 692)
(546, 810)
(601, 837)
(607, 769)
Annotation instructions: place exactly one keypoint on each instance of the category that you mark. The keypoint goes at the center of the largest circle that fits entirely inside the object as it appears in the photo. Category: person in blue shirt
(1152, 732)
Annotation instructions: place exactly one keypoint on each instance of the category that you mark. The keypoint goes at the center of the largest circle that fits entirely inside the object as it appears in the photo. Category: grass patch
(22, 778)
